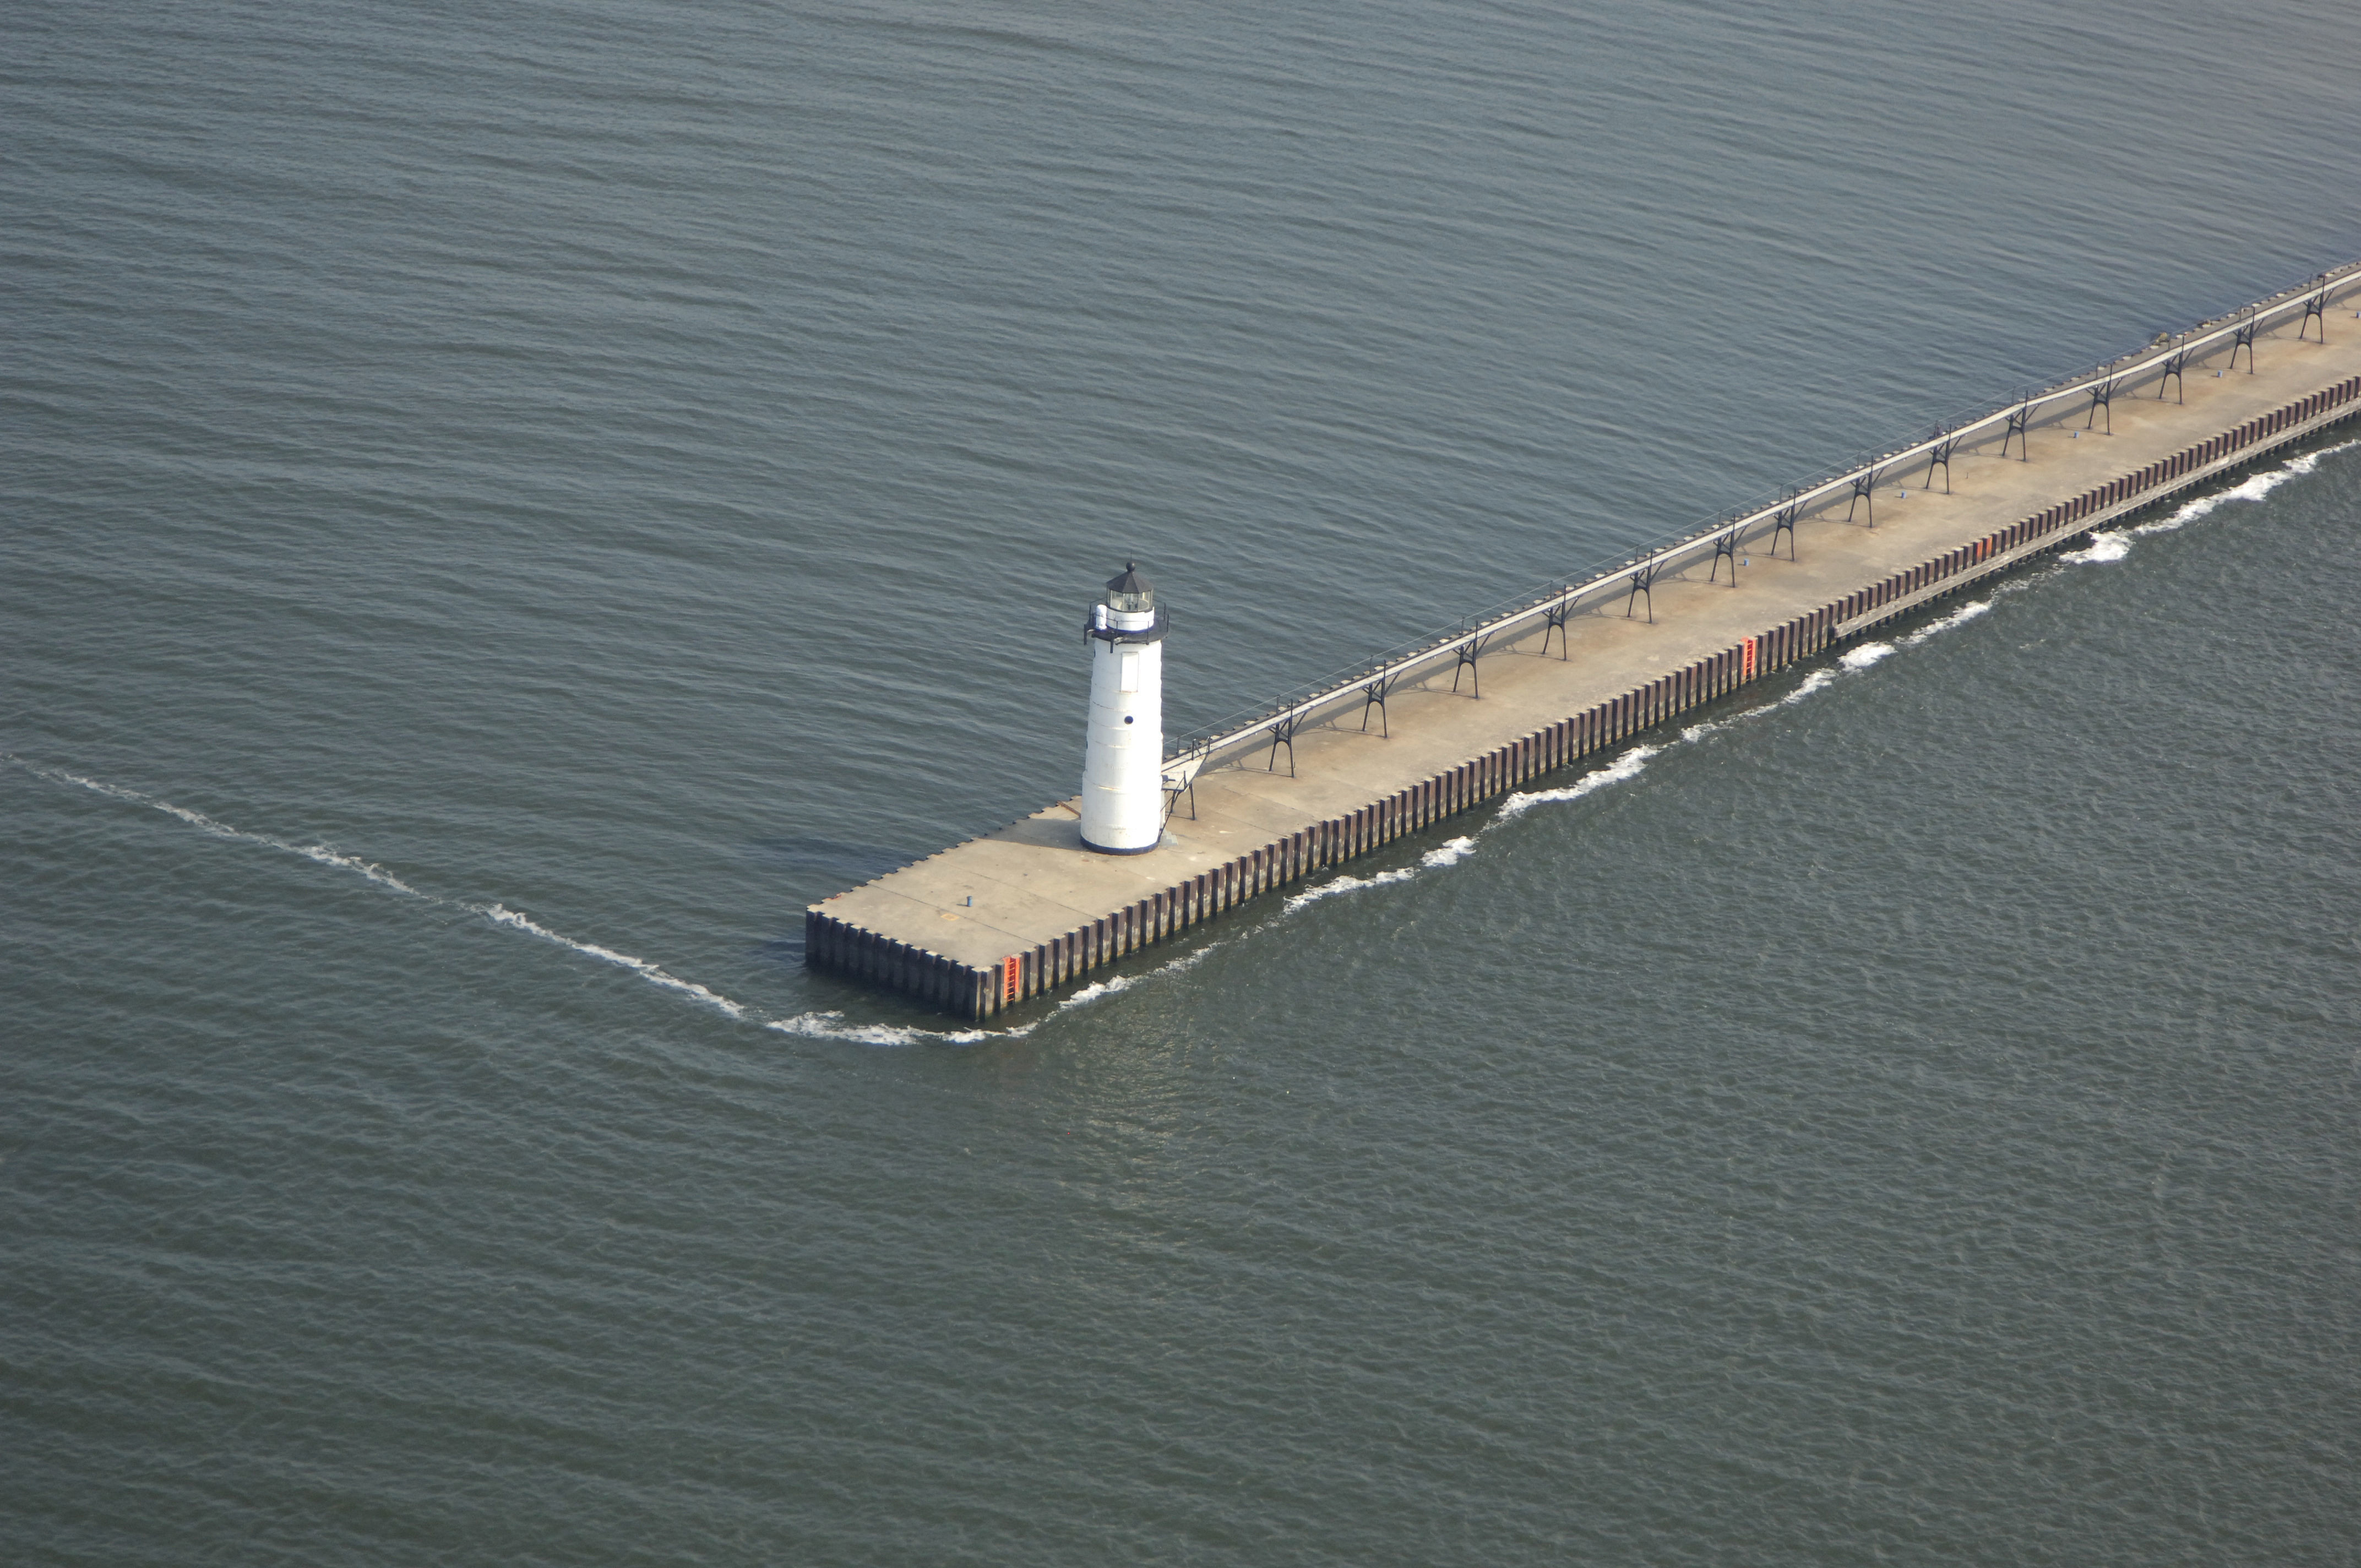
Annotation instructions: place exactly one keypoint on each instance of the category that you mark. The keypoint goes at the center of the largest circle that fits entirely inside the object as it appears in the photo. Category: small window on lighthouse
(1128, 675)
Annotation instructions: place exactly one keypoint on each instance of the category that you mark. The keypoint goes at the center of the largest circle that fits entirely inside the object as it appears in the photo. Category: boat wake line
(830, 1026)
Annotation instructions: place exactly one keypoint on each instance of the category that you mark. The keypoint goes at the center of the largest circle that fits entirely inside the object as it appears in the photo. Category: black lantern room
(1129, 593)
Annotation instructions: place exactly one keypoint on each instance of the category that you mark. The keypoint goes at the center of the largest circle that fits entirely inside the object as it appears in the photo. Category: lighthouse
(1123, 763)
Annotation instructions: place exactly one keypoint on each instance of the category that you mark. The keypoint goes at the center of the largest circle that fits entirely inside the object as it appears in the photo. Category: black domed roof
(1130, 581)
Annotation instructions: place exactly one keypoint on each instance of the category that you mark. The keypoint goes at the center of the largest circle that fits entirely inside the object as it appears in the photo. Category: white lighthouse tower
(1123, 765)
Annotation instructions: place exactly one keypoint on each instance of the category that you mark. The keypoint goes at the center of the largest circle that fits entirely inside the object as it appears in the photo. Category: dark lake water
(502, 511)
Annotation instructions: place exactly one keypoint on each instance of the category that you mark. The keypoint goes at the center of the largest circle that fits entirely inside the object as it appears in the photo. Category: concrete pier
(985, 924)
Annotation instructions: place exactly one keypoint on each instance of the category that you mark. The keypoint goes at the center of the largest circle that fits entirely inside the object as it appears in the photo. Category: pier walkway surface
(1014, 914)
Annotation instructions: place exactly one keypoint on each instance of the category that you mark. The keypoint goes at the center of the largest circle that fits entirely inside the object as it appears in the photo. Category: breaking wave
(2111, 544)
(830, 1025)
(1450, 852)
(2107, 544)
(1345, 882)
(1626, 766)
(1958, 617)
(1816, 681)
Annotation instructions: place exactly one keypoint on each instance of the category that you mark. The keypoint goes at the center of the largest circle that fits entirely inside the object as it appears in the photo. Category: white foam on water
(1343, 883)
(1632, 761)
(1818, 680)
(832, 1026)
(1450, 852)
(2107, 544)
(2115, 544)
(640, 967)
(370, 869)
(1869, 654)
(1958, 617)
(1186, 961)
(1114, 985)
(1626, 766)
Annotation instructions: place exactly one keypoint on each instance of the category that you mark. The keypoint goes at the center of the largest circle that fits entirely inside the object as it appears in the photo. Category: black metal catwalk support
(2172, 369)
(1864, 489)
(1554, 618)
(1466, 654)
(1643, 581)
(1374, 695)
(2103, 396)
(1784, 522)
(1282, 733)
(1725, 548)
(2020, 430)
(1195, 759)
(2244, 338)
(2315, 309)
(1939, 455)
